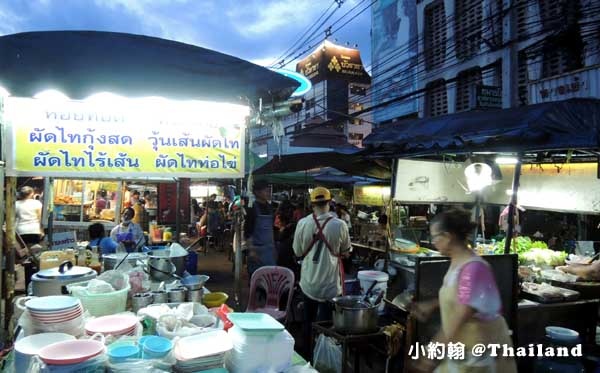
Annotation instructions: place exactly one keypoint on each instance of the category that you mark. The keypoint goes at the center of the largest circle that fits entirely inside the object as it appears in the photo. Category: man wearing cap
(258, 230)
(322, 240)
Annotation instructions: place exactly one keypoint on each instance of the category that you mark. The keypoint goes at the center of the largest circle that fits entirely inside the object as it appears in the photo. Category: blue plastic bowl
(155, 347)
(120, 352)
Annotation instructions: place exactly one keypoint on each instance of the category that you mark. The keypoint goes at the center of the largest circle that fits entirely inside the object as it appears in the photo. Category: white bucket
(367, 278)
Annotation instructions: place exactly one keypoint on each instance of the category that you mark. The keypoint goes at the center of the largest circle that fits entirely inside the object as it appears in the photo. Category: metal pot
(110, 261)
(156, 259)
(54, 281)
(161, 270)
(353, 315)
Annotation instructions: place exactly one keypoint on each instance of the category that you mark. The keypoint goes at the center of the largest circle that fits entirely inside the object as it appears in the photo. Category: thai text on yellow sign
(125, 138)
(371, 195)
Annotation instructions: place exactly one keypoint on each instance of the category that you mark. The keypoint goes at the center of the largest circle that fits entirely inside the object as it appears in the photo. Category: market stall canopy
(82, 63)
(569, 124)
(346, 161)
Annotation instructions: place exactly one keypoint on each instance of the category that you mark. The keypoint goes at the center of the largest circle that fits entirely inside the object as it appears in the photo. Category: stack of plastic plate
(54, 309)
(202, 351)
(114, 325)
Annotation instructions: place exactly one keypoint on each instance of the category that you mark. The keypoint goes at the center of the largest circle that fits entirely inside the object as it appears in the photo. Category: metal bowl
(195, 282)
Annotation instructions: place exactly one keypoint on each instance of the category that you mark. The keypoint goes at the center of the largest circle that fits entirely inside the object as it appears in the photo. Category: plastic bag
(171, 326)
(302, 369)
(96, 286)
(327, 355)
(115, 278)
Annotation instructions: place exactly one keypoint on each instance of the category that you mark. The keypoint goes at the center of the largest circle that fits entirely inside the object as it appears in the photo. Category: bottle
(95, 261)
(167, 235)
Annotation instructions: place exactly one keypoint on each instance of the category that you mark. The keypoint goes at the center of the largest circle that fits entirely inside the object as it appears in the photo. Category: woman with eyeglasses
(469, 301)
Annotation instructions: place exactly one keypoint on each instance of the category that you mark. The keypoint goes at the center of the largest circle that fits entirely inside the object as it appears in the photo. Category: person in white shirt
(29, 217)
(322, 240)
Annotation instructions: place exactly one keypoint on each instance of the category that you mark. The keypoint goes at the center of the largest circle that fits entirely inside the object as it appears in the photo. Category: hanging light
(479, 176)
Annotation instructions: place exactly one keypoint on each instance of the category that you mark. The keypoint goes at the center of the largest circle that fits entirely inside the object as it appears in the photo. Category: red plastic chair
(276, 281)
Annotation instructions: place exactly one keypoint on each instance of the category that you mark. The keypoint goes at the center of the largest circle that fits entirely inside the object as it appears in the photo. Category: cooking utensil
(593, 258)
(141, 300)
(195, 295)
(161, 261)
(110, 261)
(176, 295)
(353, 315)
(368, 292)
(159, 296)
(54, 281)
(195, 282)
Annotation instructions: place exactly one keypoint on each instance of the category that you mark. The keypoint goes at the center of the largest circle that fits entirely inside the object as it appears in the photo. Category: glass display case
(84, 201)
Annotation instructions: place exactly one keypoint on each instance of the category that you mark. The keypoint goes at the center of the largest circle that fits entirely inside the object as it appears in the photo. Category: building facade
(479, 54)
(327, 119)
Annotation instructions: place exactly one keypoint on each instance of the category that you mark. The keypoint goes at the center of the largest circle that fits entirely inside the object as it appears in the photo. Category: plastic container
(121, 351)
(27, 347)
(556, 338)
(154, 347)
(367, 278)
(214, 299)
(105, 303)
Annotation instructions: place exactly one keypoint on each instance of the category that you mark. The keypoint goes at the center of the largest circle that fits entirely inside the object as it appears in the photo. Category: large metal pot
(110, 261)
(54, 281)
(353, 315)
(161, 265)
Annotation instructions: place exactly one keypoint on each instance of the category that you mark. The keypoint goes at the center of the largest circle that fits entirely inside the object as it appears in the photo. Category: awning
(569, 124)
(81, 63)
(350, 163)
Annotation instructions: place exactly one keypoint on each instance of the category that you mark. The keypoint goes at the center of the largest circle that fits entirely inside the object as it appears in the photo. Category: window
(436, 98)
(551, 13)
(466, 82)
(522, 78)
(358, 90)
(435, 35)
(467, 27)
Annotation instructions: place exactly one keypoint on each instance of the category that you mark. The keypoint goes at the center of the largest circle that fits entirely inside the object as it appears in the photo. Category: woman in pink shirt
(469, 300)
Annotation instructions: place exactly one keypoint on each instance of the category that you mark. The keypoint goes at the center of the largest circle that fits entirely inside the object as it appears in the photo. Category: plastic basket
(101, 304)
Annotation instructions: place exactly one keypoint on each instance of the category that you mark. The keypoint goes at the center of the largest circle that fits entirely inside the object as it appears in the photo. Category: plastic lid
(65, 272)
(373, 276)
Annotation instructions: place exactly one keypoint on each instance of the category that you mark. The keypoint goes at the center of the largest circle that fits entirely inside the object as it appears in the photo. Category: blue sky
(255, 30)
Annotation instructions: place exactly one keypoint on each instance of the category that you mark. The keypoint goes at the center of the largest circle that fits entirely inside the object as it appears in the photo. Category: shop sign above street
(123, 137)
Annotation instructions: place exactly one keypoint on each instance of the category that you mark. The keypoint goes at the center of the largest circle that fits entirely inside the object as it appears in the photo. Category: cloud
(259, 18)
(256, 30)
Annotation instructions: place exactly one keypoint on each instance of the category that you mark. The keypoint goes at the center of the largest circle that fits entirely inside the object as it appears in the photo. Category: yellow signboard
(371, 195)
(124, 138)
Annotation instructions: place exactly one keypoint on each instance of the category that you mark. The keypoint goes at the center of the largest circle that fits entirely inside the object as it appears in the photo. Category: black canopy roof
(81, 63)
(345, 160)
(569, 124)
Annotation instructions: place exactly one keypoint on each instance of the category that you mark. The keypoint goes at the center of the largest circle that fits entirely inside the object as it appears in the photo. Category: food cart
(540, 157)
(121, 109)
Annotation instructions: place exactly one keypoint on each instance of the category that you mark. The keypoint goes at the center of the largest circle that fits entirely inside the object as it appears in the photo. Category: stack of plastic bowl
(120, 352)
(155, 347)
